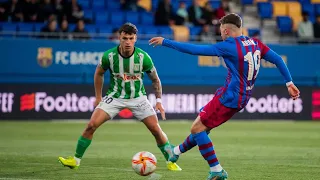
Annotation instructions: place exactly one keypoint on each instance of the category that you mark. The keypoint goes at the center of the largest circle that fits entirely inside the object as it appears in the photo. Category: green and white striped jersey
(126, 74)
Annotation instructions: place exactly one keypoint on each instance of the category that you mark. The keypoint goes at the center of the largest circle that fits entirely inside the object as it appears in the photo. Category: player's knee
(157, 133)
(91, 128)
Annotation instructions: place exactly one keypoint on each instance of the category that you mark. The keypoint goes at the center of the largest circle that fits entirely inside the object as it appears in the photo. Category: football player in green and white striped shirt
(126, 64)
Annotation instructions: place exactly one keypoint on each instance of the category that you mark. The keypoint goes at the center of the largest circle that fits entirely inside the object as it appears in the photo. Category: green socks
(83, 144)
(166, 150)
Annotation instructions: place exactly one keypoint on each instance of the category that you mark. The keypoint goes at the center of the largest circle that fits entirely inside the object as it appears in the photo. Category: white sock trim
(216, 168)
(78, 160)
(176, 150)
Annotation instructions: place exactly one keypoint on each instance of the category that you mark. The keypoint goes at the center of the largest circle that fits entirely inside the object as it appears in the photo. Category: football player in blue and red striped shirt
(242, 56)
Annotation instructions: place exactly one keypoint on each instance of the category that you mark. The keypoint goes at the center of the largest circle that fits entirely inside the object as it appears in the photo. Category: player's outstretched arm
(98, 83)
(274, 58)
(205, 50)
(156, 84)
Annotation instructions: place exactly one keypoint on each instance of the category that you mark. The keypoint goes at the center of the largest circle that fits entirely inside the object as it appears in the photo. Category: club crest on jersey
(136, 67)
(44, 57)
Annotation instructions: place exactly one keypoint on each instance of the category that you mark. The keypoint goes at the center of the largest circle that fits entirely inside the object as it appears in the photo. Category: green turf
(247, 150)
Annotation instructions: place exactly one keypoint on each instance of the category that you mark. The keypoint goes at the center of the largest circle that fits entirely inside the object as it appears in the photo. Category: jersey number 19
(253, 63)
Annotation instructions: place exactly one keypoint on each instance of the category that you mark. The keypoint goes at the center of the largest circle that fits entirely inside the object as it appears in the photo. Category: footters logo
(70, 102)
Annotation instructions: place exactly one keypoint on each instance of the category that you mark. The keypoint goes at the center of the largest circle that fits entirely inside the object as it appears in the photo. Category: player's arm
(99, 78)
(205, 50)
(156, 83)
(271, 56)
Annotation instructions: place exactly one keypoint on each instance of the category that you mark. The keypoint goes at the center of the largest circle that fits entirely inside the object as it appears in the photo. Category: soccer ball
(144, 163)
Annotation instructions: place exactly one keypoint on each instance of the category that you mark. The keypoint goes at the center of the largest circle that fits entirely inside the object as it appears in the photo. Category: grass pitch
(277, 150)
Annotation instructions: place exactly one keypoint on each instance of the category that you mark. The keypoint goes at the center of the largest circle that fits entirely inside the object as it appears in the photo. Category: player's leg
(162, 140)
(101, 114)
(143, 110)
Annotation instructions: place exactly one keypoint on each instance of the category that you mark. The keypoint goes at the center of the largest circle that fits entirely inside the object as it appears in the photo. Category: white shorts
(140, 107)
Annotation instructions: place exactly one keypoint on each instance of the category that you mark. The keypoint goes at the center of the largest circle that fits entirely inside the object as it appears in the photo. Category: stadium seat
(194, 32)
(215, 4)
(9, 28)
(246, 2)
(85, 4)
(105, 29)
(317, 9)
(91, 28)
(25, 29)
(147, 19)
(251, 32)
(98, 5)
(295, 22)
(72, 27)
(258, 1)
(39, 26)
(279, 8)
(284, 24)
(113, 6)
(315, 1)
(102, 18)
(265, 10)
(154, 5)
(132, 17)
(309, 8)
(166, 31)
(146, 4)
(294, 9)
(116, 18)
(88, 14)
(181, 33)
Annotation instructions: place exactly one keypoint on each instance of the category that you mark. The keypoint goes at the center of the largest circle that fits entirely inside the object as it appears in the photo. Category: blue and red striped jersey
(242, 56)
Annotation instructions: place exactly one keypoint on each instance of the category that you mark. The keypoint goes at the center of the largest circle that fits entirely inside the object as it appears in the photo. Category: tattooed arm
(156, 83)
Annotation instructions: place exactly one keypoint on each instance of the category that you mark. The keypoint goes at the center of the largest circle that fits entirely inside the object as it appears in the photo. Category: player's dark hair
(232, 18)
(128, 28)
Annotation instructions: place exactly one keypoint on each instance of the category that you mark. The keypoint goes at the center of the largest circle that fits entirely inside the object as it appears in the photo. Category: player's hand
(156, 41)
(97, 101)
(160, 108)
(293, 91)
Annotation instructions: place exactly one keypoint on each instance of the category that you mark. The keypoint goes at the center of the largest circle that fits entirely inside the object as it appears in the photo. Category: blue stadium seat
(309, 8)
(147, 19)
(113, 5)
(102, 17)
(39, 26)
(132, 17)
(284, 24)
(215, 4)
(165, 30)
(304, 1)
(85, 4)
(25, 29)
(72, 27)
(116, 18)
(265, 10)
(88, 14)
(98, 5)
(317, 9)
(155, 5)
(9, 28)
(194, 31)
(251, 32)
(105, 29)
(91, 28)
(246, 2)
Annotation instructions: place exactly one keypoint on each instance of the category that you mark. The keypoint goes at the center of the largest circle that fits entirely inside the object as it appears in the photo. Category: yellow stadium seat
(181, 33)
(279, 8)
(296, 20)
(245, 32)
(315, 1)
(294, 9)
(202, 2)
(146, 4)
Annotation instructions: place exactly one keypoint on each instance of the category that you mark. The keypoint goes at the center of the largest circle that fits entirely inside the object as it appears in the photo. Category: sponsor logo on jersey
(128, 77)
(44, 57)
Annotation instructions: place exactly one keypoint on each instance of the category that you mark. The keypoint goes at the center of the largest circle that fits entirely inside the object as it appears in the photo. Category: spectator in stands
(50, 30)
(59, 9)
(164, 13)
(45, 10)
(115, 36)
(30, 10)
(3, 12)
(223, 9)
(182, 14)
(131, 5)
(80, 32)
(206, 35)
(196, 14)
(316, 29)
(12, 11)
(74, 11)
(305, 29)
(64, 30)
(208, 13)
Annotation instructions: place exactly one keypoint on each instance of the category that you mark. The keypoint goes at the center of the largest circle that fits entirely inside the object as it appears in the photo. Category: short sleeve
(104, 62)
(147, 63)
